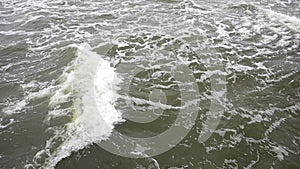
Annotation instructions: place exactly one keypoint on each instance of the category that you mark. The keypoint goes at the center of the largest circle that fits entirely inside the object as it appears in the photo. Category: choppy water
(74, 74)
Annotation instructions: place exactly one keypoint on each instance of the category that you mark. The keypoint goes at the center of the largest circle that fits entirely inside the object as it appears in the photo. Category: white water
(291, 22)
(91, 80)
(88, 125)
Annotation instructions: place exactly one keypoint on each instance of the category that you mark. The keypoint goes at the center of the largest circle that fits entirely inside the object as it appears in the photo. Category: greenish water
(85, 84)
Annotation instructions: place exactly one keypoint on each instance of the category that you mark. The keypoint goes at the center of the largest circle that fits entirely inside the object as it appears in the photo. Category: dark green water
(150, 84)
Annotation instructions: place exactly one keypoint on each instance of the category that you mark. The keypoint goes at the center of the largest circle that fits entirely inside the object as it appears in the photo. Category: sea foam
(90, 80)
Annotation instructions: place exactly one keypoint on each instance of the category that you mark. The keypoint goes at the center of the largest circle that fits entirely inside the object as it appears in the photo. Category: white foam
(16, 107)
(92, 81)
(291, 22)
(3, 126)
(280, 151)
(253, 162)
(151, 103)
(19, 105)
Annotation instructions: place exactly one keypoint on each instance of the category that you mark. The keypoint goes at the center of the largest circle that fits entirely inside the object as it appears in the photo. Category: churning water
(150, 84)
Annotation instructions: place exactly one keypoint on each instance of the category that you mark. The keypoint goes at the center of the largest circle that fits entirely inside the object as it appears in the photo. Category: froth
(91, 79)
